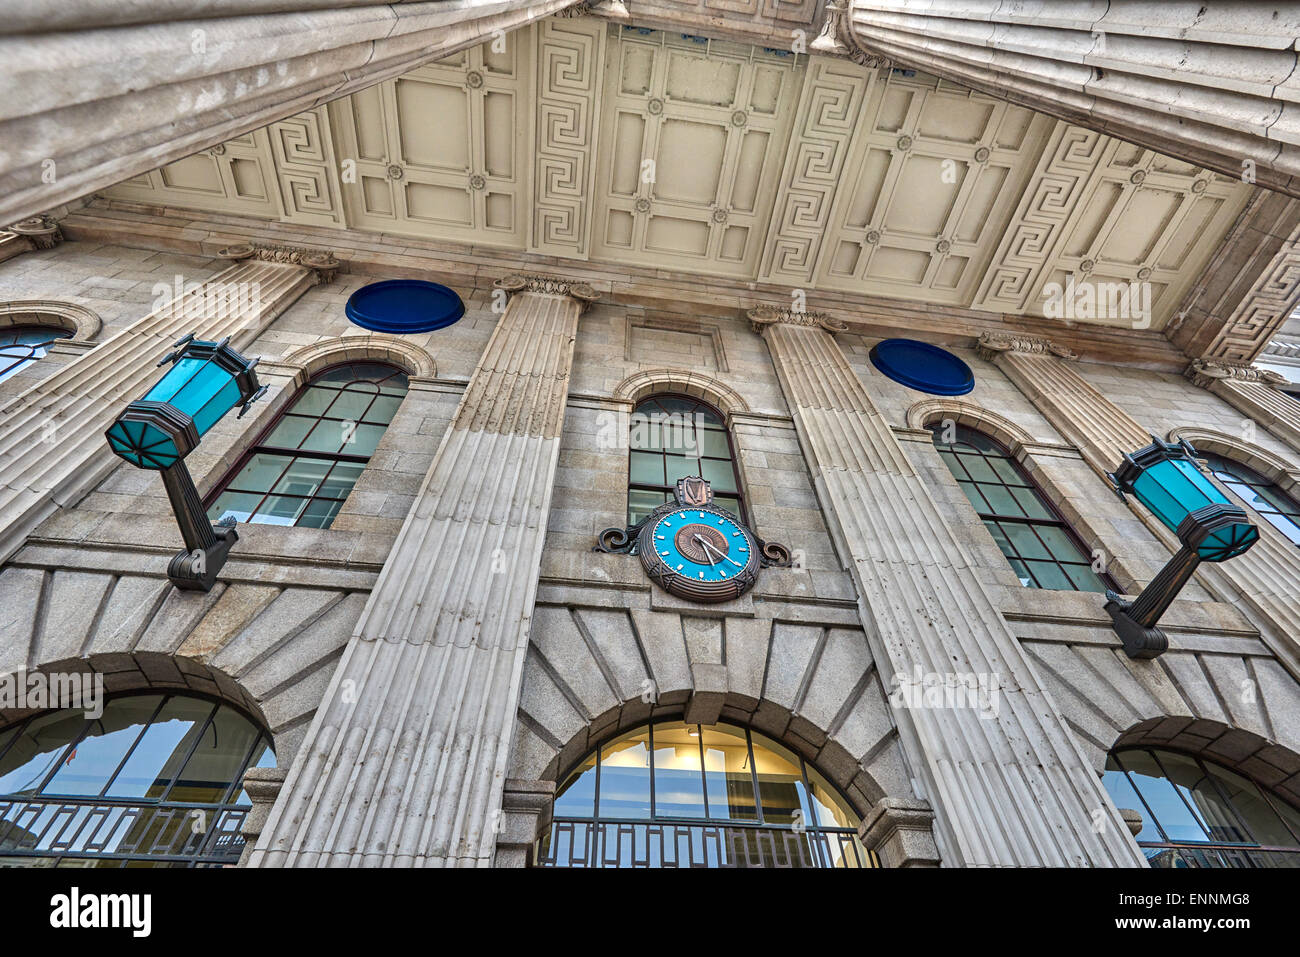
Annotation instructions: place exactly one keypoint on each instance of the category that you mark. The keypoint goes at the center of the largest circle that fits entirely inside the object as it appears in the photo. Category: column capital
(901, 831)
(514, 283)
(324, 267)
(762, 317)
(41, 231)
(1205, 372)
(836, 39)
(993, 344)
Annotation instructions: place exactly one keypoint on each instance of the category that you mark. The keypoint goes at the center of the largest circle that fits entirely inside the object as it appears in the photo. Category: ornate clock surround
(698, 542)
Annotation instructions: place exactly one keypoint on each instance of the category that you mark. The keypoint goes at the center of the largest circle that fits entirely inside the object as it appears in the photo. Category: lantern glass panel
(199, 388)
(1172, 488)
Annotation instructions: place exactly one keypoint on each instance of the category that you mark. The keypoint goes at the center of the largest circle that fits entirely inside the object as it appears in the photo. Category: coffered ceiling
(580, 139)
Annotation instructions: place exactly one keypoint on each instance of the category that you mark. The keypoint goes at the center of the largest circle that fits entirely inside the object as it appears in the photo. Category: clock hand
(706, 548)
(714, 549)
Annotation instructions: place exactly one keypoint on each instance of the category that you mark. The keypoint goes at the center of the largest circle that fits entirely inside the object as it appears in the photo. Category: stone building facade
(433, 667)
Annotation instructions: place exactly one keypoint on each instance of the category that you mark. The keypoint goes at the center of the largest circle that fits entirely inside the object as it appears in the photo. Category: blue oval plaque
(404, 306)
(923, 367)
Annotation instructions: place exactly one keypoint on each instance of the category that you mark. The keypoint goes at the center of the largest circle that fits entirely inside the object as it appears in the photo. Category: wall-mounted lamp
(1165, 478)
(206, 380)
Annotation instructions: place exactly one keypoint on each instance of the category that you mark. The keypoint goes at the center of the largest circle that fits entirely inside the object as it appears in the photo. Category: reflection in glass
(125, 788)
(1198, 814)
(674, 794)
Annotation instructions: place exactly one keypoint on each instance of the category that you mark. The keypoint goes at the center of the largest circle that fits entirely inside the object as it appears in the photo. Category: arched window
(20, 346)
(155, 778)
(1039, 544)
(676, 435)
(1269, 502)
(303, 466)
(685, 795)
(1196, 813)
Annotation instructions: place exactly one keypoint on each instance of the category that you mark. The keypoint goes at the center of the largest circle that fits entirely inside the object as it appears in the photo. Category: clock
(694, 549)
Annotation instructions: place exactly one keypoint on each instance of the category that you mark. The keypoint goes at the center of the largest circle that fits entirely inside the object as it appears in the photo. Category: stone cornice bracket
(582, 293)
(836, 39)
(41, 231)
(1205, 372)
(766, 316)
(321, 262)
(609, 9)
(993, 344)
(901, 832)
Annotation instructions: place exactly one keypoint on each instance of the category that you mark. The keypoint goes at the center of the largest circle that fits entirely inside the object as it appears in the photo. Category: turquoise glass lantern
(1165, 478)
(206, 380)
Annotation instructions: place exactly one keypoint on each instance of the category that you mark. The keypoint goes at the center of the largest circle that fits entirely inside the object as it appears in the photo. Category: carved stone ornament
(320, 261)
(548, 285)
(765, 316)
(41, 231)
(1205, 372)
(993, 344)
(836, 39)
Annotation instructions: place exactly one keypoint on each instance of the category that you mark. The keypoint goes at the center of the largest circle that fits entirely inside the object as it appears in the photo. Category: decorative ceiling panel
(582, 139)
(696, 132)
(442, 152)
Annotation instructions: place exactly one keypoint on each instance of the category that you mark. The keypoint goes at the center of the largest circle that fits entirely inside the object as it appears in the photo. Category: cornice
(384, 256)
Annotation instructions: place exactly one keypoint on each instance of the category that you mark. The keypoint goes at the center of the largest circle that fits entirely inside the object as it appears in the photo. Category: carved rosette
(41, 231)
(548, 285)
(321, 262)
(1205, 372)
(993, 344)
(765, 316)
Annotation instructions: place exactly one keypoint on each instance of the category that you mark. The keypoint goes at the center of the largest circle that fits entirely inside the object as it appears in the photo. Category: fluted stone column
(405, 763)
(52, 446)
(1252, 392)
(1211, 83)
(1009, 788)
(112, 90)
(1263, 581)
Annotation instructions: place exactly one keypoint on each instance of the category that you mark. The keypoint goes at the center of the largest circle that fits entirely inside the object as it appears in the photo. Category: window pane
(647, 468)
(727, 774)
(679, 781)
(625, 777)
(1024, 541)
(831, 811)
(1122, 793)
(353, 402)
(303, 476)
(237, 505)
(979, 468)
(641, 502)
(1050, 575)
(290, 431)
(87, 767)
(218, 759)
(1000, 500)
(677, 466)
(577, 796)
(319, 513)
(34, 752)
(383, 409)
(720, 475)
(160, 752)
(780, 785)
(1032, 503)
(1173, 816)
(280, 510)
(1084, 578)
(261, 472)
(714, 444)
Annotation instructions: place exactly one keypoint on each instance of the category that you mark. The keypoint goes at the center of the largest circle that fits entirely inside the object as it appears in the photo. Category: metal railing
(47, 830)
(575, 842)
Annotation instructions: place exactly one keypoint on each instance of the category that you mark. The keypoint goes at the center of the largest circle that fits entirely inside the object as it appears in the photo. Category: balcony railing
(573, 842)
(48, 830)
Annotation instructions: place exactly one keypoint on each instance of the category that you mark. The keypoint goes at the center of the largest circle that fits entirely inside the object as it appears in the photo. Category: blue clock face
(702, 551)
